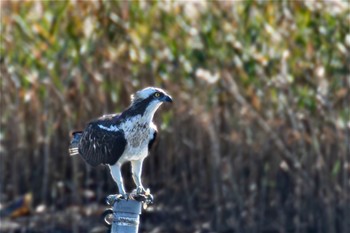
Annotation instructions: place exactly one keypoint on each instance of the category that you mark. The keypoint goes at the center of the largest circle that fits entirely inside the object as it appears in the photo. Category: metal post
(126, 216)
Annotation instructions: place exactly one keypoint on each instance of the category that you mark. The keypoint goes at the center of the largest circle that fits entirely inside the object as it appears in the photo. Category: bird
(115, 139)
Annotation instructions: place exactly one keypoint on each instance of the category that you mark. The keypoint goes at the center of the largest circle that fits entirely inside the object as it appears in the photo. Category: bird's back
(101, 142)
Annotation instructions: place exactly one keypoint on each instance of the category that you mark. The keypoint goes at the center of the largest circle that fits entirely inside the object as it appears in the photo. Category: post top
(128, 206)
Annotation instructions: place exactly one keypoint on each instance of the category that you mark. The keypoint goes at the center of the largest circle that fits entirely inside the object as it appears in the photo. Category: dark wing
(151, 142)
(102, 142)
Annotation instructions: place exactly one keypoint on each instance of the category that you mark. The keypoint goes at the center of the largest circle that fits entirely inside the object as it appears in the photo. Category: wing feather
(98, 145)
(151, 142)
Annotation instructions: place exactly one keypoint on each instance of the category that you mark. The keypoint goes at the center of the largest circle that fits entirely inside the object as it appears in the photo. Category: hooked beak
(167, 98)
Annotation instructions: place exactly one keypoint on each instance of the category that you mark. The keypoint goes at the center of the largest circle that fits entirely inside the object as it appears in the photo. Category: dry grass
(258, 144)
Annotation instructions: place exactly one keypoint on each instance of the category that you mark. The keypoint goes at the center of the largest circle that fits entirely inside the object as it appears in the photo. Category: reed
(256, 141)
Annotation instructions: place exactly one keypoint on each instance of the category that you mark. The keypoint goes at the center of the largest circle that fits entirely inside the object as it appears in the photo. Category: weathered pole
(124, 217)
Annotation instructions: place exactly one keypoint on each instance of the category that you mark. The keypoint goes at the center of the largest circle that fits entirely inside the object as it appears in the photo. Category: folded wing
(102, 142)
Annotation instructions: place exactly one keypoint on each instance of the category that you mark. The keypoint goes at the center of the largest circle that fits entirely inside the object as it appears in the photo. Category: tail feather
(74, 144)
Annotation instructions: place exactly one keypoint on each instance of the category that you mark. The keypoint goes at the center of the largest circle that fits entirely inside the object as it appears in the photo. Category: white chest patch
(138, 133)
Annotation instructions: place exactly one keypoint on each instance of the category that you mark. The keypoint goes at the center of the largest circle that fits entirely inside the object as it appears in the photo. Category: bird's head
(148, 100)
(151, 94)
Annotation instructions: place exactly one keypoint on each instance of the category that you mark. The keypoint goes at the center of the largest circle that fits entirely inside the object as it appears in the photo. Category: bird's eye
(157, 94)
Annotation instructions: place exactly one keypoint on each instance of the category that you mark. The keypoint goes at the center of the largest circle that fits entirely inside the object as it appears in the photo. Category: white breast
(137, 133)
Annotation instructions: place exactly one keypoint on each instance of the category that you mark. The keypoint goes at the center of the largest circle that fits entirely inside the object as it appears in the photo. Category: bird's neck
(145, 112)
(149, 112)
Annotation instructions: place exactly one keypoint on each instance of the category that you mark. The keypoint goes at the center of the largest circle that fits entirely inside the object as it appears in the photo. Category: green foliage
(258, 85)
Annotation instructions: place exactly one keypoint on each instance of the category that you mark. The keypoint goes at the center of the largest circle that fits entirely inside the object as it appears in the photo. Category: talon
(143, 195)
(149, 199)
(111, 199)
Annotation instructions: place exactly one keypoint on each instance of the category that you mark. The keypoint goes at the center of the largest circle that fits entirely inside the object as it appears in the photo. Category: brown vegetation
(256, 141)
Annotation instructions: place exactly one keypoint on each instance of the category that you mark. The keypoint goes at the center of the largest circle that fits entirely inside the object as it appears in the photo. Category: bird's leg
(117, 177)
(142, 195)
(136, 168)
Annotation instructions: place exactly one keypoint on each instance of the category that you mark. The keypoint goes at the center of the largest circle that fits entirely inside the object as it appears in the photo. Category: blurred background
(257, 139)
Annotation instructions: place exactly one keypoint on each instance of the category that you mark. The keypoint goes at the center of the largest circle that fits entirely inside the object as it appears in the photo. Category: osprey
(118, 138)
